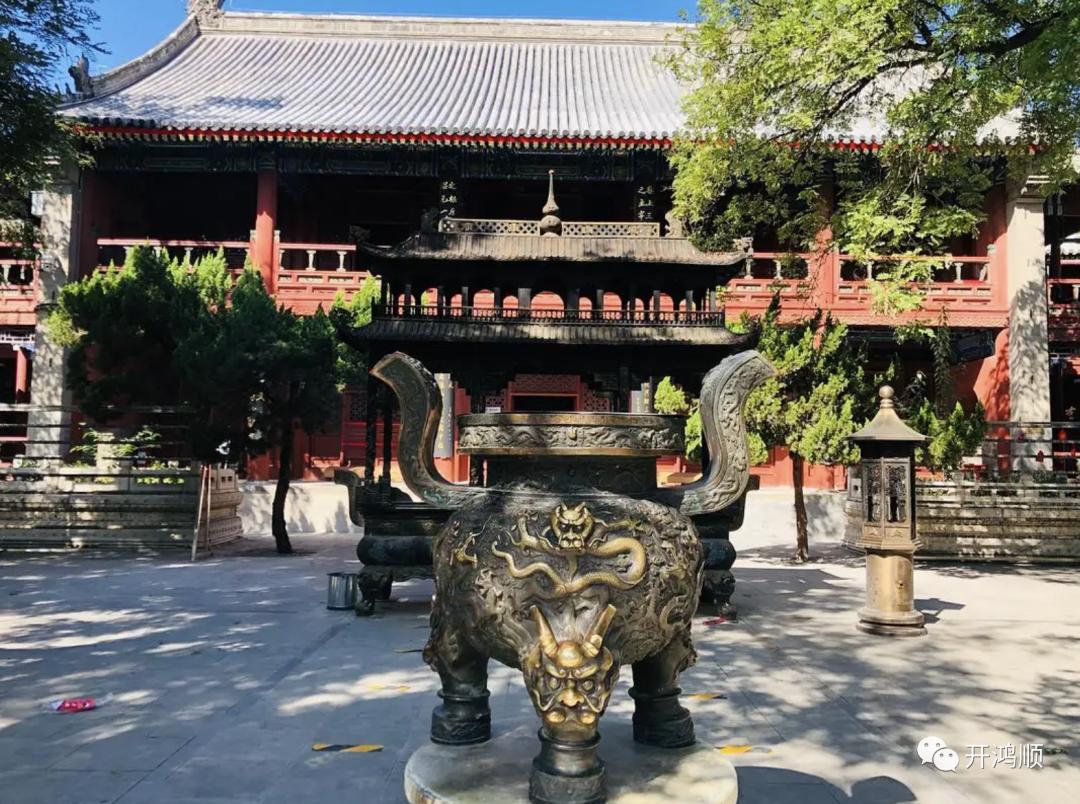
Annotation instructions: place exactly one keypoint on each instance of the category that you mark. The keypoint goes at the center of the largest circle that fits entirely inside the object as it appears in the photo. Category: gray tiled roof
(398, 76)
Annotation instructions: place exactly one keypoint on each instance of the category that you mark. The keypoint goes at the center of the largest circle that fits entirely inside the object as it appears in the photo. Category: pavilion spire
(551, 223)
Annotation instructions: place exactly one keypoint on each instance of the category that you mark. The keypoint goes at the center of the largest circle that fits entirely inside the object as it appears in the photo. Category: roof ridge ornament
(205, 11)
(551, 223)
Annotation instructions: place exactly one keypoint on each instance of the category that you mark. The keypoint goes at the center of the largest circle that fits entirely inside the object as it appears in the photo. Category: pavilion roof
(596, 248)
(235, 75)
(585, 333)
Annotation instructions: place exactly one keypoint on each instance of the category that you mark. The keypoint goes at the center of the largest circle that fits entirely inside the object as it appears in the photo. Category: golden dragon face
(572, 526)
(570, 681)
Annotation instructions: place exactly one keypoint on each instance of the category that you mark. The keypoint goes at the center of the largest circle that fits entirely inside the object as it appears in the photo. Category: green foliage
(953, 435)
(692, 433)
(670, 398)
(352, 363)
(820, 393)
(953, 432)
(776, 80)
(162, 333)
(123, 328)
(143, 442)
(35, 37)
(757, 449)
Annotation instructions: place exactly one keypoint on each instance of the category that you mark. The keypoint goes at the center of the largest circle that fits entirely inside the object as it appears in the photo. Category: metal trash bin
(340, 591)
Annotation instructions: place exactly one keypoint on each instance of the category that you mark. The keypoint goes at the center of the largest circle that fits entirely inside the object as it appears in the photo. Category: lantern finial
(886, 393)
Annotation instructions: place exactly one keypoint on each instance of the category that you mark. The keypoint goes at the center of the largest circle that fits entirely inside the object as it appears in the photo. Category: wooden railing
(292, 257)
(309, 275)
(114, 250)
(499, 226)
(1046, 450)
(545, 315)
(18, 286)
(316, 256)
(841, 283)
(954, 270)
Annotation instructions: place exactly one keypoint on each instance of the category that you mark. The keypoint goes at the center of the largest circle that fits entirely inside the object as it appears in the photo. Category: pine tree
(164, 333)
(819, 396)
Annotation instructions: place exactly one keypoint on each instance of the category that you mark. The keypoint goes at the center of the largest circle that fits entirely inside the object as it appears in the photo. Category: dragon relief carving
(660, 437)
(577, 535)
(570, 681)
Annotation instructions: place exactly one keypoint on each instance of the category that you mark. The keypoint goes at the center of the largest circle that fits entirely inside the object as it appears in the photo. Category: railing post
(341, 260)
(748, 266)
(311, 259)
(778, 269)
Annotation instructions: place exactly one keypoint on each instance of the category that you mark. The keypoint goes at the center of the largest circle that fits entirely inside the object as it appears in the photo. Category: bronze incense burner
(569, 564)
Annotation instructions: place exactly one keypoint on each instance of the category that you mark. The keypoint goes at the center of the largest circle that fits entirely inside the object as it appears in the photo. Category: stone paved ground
(224, 673)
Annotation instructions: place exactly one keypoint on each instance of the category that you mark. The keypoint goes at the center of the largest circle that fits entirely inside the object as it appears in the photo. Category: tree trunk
(802, 546)
(281, 493)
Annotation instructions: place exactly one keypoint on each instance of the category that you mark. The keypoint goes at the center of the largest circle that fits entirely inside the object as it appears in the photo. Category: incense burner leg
(463, 717)
(370, 583)
(567, 772)
(659, 719)
(718, 588)
(569, 682)
(386, 588)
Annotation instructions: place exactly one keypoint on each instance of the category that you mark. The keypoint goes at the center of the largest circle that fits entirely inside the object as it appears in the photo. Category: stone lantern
(888, 522)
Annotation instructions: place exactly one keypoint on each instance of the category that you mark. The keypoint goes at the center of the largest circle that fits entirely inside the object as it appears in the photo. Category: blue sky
(131, 27)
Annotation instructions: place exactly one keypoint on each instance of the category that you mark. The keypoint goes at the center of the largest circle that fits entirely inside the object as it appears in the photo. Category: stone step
(9, 519)
(96, 538)
(22, 502)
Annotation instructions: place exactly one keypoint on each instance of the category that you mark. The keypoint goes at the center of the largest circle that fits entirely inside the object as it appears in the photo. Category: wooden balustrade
(838, 282)
(316, 256)
(18, 286)
(1063, 292)
(552, 314)
(311, 274)
(114, 250)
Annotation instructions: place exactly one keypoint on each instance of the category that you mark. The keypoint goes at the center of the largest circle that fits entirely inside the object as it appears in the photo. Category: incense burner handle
(723, 394)
(421, 406)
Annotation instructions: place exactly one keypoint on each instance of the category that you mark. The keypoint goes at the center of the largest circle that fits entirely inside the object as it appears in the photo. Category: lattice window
(595, 403)
(896, 481)
(488, 227)
(356, 405)
(610, 229)
(872, 491)
(546, 384)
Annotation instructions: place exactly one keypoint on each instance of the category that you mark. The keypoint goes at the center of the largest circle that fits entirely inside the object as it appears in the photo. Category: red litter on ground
(717, 621)
(78, 704)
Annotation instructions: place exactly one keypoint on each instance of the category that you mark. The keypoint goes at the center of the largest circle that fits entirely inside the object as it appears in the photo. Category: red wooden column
(92, 215)
(264, 249)
(825, 264)
(22, 376)
(993, 242)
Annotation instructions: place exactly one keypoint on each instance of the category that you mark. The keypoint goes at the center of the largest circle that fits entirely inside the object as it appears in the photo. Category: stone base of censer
(497, 772)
